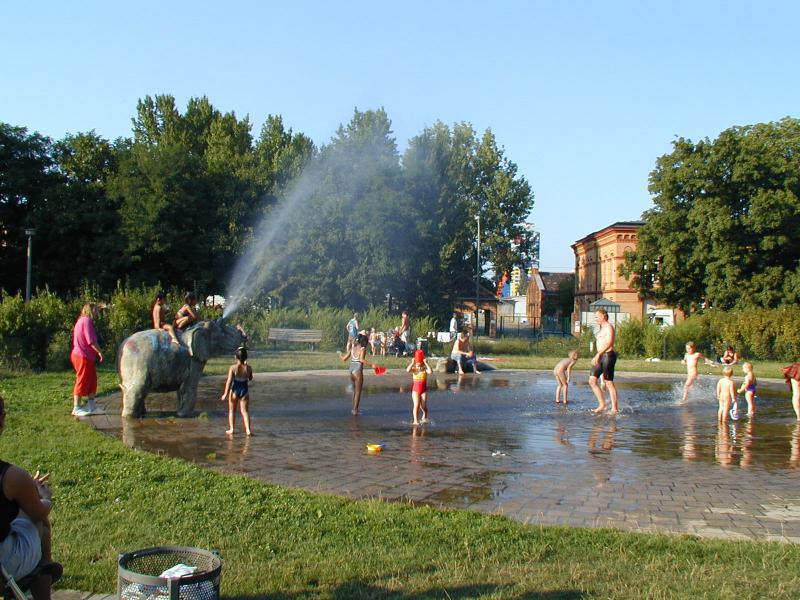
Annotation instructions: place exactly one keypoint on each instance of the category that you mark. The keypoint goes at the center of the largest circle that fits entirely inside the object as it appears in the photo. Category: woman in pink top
(85, 351)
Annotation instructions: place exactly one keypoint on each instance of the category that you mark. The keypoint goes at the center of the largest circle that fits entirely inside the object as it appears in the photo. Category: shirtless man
(405, 327)
(603, 364)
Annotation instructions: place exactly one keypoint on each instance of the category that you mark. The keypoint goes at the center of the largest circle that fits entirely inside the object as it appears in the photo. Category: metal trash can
(422, 344)
(140, 574)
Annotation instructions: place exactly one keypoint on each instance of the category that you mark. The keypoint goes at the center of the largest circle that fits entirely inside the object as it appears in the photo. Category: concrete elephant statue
(149, 361)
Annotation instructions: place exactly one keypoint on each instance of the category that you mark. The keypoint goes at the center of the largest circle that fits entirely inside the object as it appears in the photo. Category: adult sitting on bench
(24, 525)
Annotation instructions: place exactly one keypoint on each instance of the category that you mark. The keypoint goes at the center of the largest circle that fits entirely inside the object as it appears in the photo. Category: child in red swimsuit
(419, 369)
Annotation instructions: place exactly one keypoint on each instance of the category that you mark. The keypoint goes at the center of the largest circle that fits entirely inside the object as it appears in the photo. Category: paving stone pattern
(498, 444)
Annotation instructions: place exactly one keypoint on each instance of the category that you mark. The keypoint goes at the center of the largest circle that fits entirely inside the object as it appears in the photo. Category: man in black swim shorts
(603, 364)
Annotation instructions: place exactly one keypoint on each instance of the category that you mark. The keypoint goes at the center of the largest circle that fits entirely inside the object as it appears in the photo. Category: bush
(653, 340)
(629, 339)
(26, 329)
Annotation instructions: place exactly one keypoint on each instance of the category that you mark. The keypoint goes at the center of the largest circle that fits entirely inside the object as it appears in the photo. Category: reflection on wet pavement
(498, 444)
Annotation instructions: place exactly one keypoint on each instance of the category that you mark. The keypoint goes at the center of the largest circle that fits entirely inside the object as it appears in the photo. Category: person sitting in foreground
(25, 503)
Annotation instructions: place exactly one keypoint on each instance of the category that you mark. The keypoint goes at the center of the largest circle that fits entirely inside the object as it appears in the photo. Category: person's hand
(100, 356)
(45, 493)
(596, 360)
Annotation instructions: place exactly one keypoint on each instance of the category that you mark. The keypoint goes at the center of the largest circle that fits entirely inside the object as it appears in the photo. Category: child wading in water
(562, 372)
(749, 388)
(419, 369)
(237, 392)
(357, 353)
(726, 394)
(690, 359)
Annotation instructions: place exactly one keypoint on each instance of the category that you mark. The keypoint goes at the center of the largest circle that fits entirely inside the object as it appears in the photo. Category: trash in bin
(169, 573)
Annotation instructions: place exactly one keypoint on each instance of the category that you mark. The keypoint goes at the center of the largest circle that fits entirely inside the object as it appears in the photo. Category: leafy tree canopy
(724, 230)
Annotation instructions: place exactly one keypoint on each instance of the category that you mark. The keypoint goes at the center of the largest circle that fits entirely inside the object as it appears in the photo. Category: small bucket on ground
(155, 574)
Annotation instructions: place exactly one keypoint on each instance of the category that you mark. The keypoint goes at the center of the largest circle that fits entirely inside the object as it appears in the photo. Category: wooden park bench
(309, 336)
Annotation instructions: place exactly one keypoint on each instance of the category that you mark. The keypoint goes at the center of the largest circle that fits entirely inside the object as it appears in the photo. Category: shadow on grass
(364, 591)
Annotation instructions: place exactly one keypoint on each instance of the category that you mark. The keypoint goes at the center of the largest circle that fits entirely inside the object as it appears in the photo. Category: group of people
(86, 346)
(381, 343)
(601, 376)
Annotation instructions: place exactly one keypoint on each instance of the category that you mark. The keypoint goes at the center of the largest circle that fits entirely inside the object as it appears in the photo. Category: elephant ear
(199, 342)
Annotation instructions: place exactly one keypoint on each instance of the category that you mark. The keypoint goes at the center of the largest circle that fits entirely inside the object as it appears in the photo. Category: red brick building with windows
(597, 260)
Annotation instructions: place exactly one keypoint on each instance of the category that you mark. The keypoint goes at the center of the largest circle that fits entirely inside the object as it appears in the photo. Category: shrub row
(758, 334)
(38, 334)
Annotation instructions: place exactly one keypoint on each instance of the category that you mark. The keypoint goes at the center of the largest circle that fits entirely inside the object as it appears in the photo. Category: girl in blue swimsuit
(237, 391)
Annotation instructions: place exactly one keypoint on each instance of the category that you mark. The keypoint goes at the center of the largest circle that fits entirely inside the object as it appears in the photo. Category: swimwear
(751, 388)
(792, 372)
(356, 364)
(605, 367)
(420, 381)
(239, 387)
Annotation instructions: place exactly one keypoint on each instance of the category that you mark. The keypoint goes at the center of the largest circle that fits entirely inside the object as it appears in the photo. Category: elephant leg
(187, 392)
(133, 401)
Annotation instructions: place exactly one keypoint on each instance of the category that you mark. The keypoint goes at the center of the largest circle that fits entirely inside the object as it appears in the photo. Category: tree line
(186, 195)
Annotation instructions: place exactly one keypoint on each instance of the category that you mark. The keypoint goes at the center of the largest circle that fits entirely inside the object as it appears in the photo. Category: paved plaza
(498, 444)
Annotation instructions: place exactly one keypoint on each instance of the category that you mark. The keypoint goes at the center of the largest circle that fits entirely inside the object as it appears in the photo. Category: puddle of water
(492, 438)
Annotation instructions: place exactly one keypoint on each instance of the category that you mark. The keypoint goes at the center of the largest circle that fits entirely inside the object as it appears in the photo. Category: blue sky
(583, 96)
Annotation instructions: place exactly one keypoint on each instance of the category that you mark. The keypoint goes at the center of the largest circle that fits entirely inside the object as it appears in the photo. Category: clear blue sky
(584, 96)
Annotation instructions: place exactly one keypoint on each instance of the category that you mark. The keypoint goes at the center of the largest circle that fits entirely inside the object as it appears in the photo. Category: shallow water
(498, 443)
(511, 412)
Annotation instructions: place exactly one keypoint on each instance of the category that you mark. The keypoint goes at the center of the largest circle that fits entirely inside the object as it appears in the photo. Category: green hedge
(37, 335)
(757, 334)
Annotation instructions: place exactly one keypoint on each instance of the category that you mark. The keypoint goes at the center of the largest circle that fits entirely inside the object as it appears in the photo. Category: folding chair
(11, 589)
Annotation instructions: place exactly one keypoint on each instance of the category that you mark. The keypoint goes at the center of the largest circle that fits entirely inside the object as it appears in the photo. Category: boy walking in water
(562, 372)
(603, 364)
(726, 394)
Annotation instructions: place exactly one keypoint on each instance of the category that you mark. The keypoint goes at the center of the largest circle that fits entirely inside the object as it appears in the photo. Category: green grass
(284, 543)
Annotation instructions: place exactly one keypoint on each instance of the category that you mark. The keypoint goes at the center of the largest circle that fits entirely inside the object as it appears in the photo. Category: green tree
(26, 181)
(451, 176)
(724, 230)
(80, 217)
(342, 235)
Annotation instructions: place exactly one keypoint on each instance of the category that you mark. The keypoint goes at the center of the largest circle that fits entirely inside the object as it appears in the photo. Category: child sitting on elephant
(186, 315)
(159, 322)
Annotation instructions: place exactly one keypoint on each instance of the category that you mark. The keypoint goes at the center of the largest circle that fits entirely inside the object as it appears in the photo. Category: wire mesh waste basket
(169, 573)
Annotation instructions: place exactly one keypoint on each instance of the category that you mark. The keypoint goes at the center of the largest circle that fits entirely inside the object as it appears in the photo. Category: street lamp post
(477, 274)
(30, 233)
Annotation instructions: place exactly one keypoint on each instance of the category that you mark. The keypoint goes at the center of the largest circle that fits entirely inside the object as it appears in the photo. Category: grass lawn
(286, 544)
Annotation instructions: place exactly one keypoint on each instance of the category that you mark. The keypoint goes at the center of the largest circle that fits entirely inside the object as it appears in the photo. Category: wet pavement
(498, 444)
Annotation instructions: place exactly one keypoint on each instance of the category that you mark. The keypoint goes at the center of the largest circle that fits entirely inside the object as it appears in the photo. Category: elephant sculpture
(149, 361)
